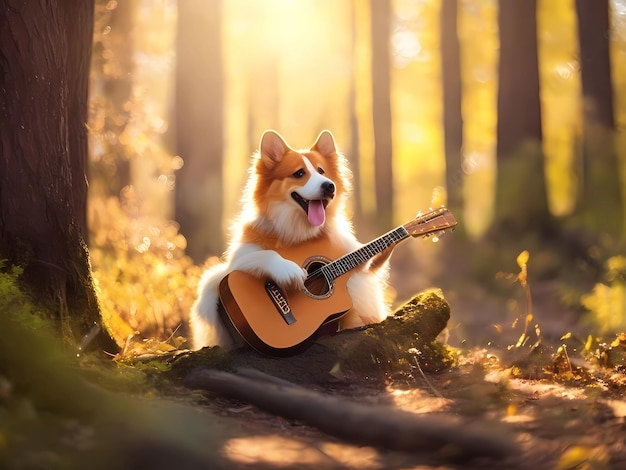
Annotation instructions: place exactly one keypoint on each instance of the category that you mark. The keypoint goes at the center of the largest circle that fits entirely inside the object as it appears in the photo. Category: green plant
(606, 302)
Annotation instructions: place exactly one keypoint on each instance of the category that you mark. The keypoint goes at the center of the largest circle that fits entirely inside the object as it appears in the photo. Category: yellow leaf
(511, 409)
(581, 457)
(573, 458)
(522, 259)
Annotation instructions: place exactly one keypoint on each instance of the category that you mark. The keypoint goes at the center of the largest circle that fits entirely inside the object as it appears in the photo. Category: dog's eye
(299, 174)
(320, 170)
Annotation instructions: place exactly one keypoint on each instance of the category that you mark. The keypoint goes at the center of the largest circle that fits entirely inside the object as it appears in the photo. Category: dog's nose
(328, 187)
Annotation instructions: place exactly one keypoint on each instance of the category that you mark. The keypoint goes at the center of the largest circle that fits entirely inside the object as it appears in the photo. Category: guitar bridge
(280, 301)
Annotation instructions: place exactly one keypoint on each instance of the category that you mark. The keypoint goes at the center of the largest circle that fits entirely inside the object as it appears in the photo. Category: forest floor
(558, 411)
(551, 401)
(556, 424)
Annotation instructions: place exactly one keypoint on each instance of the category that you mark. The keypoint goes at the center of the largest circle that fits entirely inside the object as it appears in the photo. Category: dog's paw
(289, 275)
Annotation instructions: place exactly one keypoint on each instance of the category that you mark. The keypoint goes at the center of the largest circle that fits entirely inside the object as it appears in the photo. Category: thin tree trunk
(354, 150)
(199, 127)
(601, 198)
(381, 107)
(452, 117)
(45, 58)
(593, 32)
(521, 198)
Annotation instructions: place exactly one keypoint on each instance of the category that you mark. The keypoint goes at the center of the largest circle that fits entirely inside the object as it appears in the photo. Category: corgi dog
(292, 196)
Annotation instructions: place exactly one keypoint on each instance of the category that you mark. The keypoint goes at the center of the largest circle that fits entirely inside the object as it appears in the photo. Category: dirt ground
(560, 411)
(556, 425)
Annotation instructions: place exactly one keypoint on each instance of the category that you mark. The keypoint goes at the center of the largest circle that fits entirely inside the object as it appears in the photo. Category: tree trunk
(354, 149)
(381, 107)
(45, 57)
(452, 117)
(521, 199)
(593, 31)
(601, 198)
(199, 127)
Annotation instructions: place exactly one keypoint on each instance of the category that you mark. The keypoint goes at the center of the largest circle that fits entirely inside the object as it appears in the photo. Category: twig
(434, 390)
(569, 363)
(173, 333)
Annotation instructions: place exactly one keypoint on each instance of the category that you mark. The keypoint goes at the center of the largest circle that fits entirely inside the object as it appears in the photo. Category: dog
(292, 196)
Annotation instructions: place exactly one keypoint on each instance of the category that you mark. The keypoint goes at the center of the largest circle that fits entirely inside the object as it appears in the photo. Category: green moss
(409, 335)
(31, 358)
(16, 305)
(183, 363)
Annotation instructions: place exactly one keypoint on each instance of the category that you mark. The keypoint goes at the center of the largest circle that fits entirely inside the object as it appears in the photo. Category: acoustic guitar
(281, 323)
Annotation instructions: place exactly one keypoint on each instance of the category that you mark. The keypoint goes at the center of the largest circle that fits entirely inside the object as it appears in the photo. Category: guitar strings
(380, 244)
(385, 241)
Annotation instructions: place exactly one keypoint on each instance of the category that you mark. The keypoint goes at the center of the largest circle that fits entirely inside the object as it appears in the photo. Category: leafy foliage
(607, 301)
(144, 281)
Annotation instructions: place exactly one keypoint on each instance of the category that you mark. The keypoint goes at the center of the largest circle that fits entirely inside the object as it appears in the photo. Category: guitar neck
(434, 221)
(352, 260)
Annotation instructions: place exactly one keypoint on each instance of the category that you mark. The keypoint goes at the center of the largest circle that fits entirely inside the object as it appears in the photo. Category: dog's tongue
(316, 213)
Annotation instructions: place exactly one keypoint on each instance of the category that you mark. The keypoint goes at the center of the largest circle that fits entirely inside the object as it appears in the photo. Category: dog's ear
(273, 148)
(325, 144)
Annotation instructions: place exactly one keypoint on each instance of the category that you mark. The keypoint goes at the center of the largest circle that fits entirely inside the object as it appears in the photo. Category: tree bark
(45, 58)
(601, 200)
(521, 198)
(381, 111)
(199, 127)
(593, 34)
(354, 149)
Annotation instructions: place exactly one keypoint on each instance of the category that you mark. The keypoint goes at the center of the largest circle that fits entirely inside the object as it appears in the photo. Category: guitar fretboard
(350, 261)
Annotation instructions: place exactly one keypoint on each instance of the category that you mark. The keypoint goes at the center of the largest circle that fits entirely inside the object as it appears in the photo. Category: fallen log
(390, 347)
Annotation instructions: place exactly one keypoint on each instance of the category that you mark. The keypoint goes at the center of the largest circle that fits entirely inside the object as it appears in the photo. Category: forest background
(511, 113)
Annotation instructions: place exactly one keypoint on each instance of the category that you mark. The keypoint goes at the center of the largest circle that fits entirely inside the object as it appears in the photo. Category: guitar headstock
(435, 221)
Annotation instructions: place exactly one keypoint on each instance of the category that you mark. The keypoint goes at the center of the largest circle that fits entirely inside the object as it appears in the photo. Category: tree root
(378, 426)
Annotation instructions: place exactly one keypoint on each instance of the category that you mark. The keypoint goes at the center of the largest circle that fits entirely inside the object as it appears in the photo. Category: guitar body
(283, 323)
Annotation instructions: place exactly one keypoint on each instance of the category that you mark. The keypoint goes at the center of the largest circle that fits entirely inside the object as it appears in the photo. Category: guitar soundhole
(316, 284)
